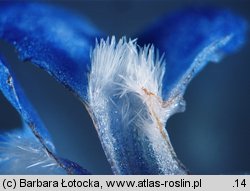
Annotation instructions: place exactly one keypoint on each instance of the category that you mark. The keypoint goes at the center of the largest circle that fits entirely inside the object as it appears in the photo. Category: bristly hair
(21, 153)
(127, 61)
(125, 98)
(122, 68)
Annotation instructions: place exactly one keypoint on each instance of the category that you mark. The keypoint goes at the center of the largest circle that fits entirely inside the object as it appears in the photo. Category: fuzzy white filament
(125, 96)
(128, 69)
(21, 153)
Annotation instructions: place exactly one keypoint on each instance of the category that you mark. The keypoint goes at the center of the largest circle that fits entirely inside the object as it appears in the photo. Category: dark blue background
(211, 137)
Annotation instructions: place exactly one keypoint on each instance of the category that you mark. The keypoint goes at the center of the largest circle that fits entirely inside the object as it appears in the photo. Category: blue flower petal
(28, 150)
(12, 91)
(130, 110)
(190, 39)
(51, 38)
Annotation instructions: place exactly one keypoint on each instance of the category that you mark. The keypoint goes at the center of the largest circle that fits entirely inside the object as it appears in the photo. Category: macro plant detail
(129, 87)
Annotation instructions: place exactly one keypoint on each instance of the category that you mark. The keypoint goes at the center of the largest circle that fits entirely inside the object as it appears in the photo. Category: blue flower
(129, 90)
